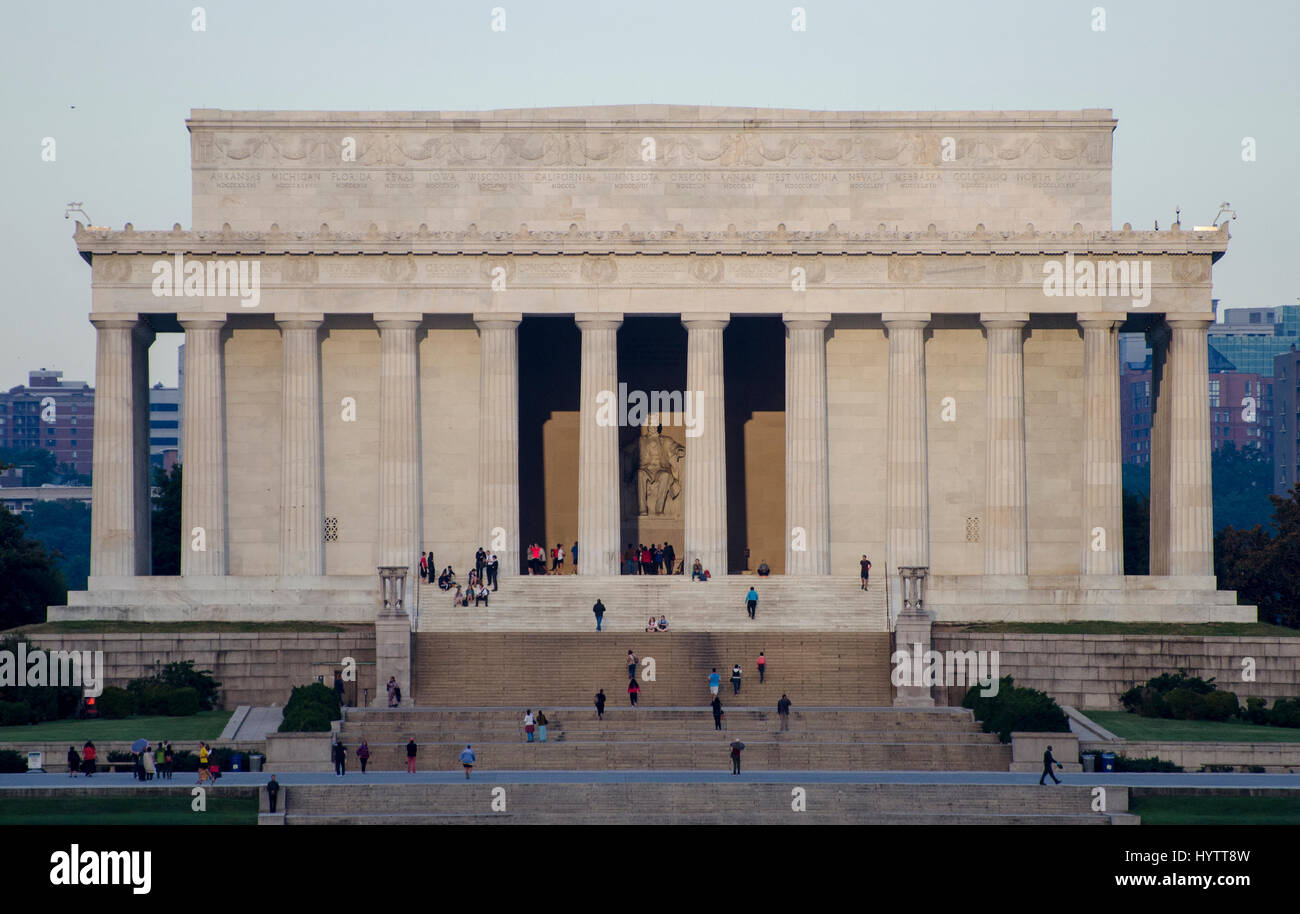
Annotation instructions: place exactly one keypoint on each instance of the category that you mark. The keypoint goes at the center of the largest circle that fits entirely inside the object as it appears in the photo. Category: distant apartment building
(164, 426)
(1250, 338)
(49, 413)
(1286, 441)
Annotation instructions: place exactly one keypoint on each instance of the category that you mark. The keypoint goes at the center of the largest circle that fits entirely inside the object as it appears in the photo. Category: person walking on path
(735, 679)
(599, 611)
(168, 759)
(717, 713)
(574, 552)
(150, 763)
(363, 755)
(529, 724)
(762, 667)
(714, 682)
(340, 759)
(272, 792)
(541, 726)
(467, 759)
(783, 711)
(410, 755)
(74, 762)
(88, 758)
(631, 664)
(737, 747)
(600, 705)
(751, 602)
(865, 564)
(1048, 762)
(633, 690)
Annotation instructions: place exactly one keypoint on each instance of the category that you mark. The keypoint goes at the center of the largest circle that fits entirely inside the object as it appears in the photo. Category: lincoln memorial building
(781, 336)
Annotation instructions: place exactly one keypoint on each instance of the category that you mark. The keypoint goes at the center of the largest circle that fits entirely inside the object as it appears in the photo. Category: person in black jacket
(599, 611)
(1048, 762)
(717, 713)
(272, 792)
(600, 705)
(340, 759)
(74, 762)
(410, 755)
(783, 711)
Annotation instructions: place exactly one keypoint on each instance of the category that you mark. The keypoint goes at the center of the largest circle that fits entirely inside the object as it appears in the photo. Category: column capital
(798, 321)
(598, 320)
(703, 320)
(1100, 320)
(394, 320)
(1011, 320)
(1195, 321)
(904, 320)
(305, 321)
(498, 320)
(127, 320)
(201, 320)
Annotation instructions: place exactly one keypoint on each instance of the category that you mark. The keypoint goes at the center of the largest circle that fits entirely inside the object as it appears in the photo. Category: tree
(37, 464)
(32, 580)
(1262, 565)
(1242, 482)
(165, 521)
(63, 527)
(1137, 533)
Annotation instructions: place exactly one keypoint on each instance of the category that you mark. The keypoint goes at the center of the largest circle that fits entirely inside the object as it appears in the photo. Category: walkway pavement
(355, 777)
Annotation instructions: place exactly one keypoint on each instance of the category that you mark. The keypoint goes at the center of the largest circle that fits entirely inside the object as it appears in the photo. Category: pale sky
(112, 84)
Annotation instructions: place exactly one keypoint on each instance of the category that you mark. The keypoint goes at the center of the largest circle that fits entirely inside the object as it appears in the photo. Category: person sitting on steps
(764, 569)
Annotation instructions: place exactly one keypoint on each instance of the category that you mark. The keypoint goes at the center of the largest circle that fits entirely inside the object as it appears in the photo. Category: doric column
(1191, 503)
(119, 541)
(302, 481)
(907, 468)
(1159, 337)
(203, 480)
(807, 457)
(498, 438)
(706, 454)
(1103, 488)
(598, 470)
(1006, 525)
(399, 442)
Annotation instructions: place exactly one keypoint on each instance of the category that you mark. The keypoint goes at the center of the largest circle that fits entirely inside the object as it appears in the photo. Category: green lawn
(1132, 726)
(98, 627)
(1217, 810)
(1230, 629)
(128, 810)
(204, 725)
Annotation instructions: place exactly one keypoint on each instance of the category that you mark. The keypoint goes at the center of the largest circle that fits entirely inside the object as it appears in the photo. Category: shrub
(313, 719)
(1256, 711)
(121, 755)
(183, 702)
(182, 675)
(184, 760)
(1183, 704)
(1285, 713)
(310, 709)
(1014, 708)
(1154, 763)
(1218, 706)
(114, 703)
(42, 702)
(12, 762)
(14, 713)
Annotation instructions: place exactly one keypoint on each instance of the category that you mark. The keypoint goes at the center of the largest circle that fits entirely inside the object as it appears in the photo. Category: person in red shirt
(633, 690)
(762, 666)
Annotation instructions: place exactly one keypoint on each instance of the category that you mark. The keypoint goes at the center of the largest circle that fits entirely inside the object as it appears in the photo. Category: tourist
(444, 581)
(88, 758)
(467, 759)
(363, 755)
(493, 569)
(697, 571)
(600, 705)
(764, 569)
(670, 557)
(74, 762)
(480, 560)
(424, 567)
(647, 560)
(483, 594)
(473, 580)
(272, 792)
(735, 679)
(338, 687)
(138, 768)
(762, 667)
(599, 611)
(737, 747)
(651, 626)
(168, 759)
(204, 772)
(457, 599)
(340, 759)
(865, 564)
(751, 602)
(541, 726)
(410, 755)
(662, 624)
(633, 690)
(629, 560)
(657, 558)
(149, 763)
(1048, 762)
(783, 711)
(631, 664)
(714, 682)
(392, 692)
(717, 713)
(529, 724)
(574, 552)
(557, 559)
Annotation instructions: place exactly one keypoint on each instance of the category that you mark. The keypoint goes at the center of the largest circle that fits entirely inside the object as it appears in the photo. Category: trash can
(1108, 761)
(1090, 761)
(236, 761)
(255, 762)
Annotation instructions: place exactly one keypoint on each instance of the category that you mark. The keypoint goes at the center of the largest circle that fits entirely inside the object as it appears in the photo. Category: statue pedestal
(392, 658)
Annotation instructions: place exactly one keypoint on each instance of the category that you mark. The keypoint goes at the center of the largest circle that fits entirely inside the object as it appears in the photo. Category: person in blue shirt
(467, 759)
(751, 602)
(714, 682)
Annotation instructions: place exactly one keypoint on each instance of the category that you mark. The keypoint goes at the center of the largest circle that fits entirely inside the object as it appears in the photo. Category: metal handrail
(889, 606)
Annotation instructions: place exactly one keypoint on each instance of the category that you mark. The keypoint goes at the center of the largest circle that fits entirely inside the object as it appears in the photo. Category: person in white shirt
(529, 724)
